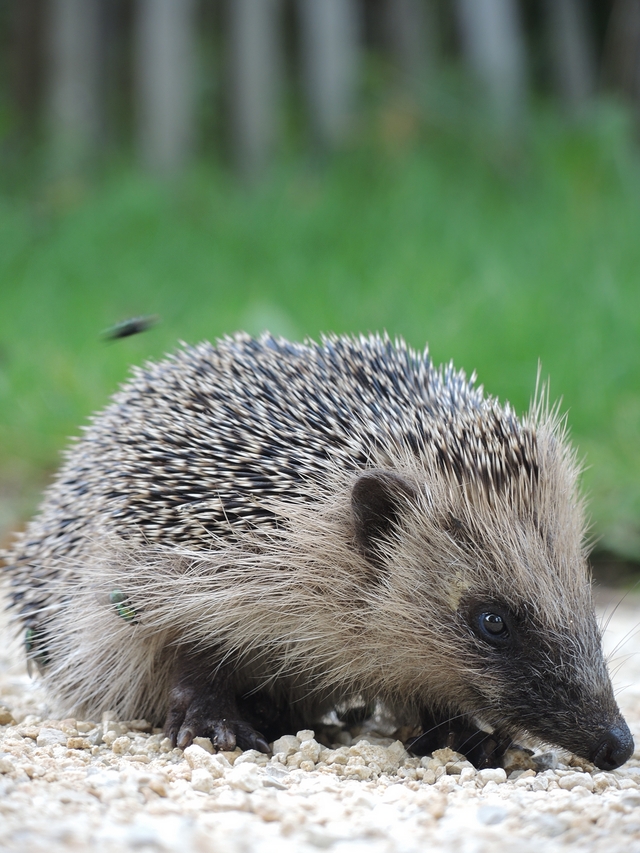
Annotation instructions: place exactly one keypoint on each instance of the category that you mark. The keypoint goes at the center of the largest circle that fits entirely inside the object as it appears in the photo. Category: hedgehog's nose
(614, 749)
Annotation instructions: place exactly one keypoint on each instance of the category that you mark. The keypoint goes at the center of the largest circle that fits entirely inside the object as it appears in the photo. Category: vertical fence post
(74, 93)
(164, 84)
(622, 51)
(494, 44)
(572, 53)
(411, 31)
(330, 47)
(255, 67)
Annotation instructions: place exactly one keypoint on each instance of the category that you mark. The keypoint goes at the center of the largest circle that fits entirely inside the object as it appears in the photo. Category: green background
(497, 259)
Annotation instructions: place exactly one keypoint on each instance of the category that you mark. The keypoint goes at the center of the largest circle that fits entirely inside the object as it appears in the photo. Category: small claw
(261, 745)
(185, 737)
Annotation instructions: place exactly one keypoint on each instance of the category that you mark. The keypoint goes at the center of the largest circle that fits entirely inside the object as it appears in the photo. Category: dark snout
(614, 748)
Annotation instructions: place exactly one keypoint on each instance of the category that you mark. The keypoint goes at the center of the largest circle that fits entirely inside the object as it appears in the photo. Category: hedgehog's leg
(272, 717)
(481, 748)
(203, 703)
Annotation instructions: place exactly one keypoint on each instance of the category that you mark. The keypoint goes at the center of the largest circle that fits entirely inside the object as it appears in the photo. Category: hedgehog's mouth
(612, 747)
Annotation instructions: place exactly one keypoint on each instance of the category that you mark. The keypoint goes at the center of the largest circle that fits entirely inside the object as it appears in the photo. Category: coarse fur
(320, 522)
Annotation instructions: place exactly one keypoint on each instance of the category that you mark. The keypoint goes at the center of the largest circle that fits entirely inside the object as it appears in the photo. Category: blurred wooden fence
(73, 64)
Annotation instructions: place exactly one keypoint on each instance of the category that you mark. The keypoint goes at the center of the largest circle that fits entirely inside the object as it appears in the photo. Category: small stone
(165, 745)
(6, 764)
(524, 777)
(6, 717)
(245, 777)
(31, 732)
(252, 756)
(51, 737)
(385, 759)
(338, 756)
(287, 745)
(358, 771)
(492, 774)
(310, 750)
(120, 745)
(582, 764)
(455, 768)
(447, 784)
(139, 726)
(545, 761)
(205, 743)
(201, 780)
(276, 771)
(68, 726)
(157, 785)
(467, 774)
(272, 782)
(305, 734)
(110, 737)
(518, 758)
(197, 757)
(574, 780)
(446, 755)
(78, 743)
(603, 781)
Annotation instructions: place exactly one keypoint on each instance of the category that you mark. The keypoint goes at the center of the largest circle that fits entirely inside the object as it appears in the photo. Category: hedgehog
(254, 533)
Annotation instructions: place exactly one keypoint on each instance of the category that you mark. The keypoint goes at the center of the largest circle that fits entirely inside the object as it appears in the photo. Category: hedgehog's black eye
(493, 623)
(492, 627)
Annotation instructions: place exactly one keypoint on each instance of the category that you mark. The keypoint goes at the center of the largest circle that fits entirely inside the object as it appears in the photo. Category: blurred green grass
(497, 261)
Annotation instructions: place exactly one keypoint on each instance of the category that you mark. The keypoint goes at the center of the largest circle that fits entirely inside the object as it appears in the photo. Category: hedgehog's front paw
(481, 748)
(203, 704)
(191, 716)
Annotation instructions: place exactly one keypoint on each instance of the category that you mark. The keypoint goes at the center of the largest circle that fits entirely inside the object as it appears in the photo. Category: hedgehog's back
(202, 442)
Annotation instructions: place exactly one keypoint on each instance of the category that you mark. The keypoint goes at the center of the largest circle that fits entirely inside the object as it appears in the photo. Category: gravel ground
(113, 786)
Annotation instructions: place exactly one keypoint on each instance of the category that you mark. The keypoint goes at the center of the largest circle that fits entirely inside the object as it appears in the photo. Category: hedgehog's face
(501, 617)
(552, 685)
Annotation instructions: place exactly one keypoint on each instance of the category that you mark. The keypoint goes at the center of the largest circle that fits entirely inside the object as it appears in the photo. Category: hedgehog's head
(488, 593)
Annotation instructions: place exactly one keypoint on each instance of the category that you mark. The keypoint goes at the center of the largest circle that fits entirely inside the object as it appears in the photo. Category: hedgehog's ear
(376, 502)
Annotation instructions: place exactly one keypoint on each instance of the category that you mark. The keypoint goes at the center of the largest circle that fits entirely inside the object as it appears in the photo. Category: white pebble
(575, 780)
(305, 734)
(245, 777)
(287, 745)
(121, 745)
(205, 743)
(492, 774)
(51, 737)
(467, 774)
(201, 780)
(310, 750)
(197, 757)
(6, 764)
(252, 756)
